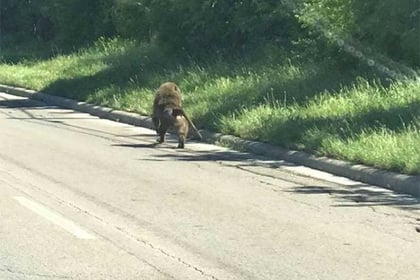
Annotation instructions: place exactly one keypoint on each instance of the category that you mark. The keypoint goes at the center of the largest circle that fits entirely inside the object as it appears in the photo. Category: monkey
(168, 113)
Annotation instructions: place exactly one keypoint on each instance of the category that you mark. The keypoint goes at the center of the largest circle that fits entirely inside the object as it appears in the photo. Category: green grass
(317, 107)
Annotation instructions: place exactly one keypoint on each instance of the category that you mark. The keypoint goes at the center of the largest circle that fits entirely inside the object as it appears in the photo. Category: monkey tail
(180, 111)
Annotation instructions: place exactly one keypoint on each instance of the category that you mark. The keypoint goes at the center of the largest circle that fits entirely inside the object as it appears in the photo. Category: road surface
(87, 198)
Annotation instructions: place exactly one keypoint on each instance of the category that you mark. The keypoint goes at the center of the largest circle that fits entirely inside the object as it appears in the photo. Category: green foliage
(392, 27)
(78, 22)
(131, 19)
(219, 25)
(389, 27)
(22, 21)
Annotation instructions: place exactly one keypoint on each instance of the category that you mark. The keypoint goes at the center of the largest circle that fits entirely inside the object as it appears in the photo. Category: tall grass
(317, 107)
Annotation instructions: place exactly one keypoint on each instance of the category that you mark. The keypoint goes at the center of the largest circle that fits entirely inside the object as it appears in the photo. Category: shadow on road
(23, 104)
(362, 195)
(345, 195)
(27, 105)
(148, 145)
(358, 195)
(227, 155)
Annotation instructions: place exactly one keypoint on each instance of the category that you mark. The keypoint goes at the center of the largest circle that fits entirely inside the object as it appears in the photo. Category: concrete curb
(398, 182)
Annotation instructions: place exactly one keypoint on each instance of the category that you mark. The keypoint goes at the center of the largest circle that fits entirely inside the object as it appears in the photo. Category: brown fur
(168, 113)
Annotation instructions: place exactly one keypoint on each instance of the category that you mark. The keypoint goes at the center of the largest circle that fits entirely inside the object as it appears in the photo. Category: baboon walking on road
(168, 113)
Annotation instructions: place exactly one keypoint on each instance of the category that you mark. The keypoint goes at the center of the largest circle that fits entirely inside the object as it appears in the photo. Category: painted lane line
(54, 218)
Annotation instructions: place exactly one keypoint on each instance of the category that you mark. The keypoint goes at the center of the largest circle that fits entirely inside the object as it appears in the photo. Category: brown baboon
(168, 113)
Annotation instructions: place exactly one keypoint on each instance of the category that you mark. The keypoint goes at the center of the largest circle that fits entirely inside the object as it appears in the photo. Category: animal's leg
(182, 128)
(156, 123)
(162, 131)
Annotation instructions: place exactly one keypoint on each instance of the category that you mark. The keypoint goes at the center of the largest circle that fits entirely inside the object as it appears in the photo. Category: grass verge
(317, 107)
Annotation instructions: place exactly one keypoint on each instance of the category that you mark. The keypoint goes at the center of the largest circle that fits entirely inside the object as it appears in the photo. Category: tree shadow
(396, 118)
(148, 145)
(154, 135)
(248, 159)
(361, 196)
(208, 156)
(357, 195)
(23, 104)
(123, 71)
(32, 53)
(139, 67)
(297, 90)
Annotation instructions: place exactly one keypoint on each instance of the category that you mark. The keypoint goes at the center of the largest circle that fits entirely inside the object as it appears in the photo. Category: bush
(22, 21)
(217, 26)
(131, 19)
(390, 27)
(79, 22)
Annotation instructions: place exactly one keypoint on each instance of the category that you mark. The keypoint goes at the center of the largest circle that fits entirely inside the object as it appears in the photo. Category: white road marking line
(54, 218)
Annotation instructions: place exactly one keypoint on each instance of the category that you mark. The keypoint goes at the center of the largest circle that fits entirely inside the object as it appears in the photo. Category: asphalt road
(86, 198)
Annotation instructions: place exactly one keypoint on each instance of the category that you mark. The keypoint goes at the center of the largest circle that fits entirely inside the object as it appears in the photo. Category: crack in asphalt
(120, 229)
(289, 198)
(11, 271)
(178, 259)
(144, 242)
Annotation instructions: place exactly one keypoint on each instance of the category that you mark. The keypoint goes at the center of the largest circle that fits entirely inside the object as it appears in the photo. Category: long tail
(181, 111)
